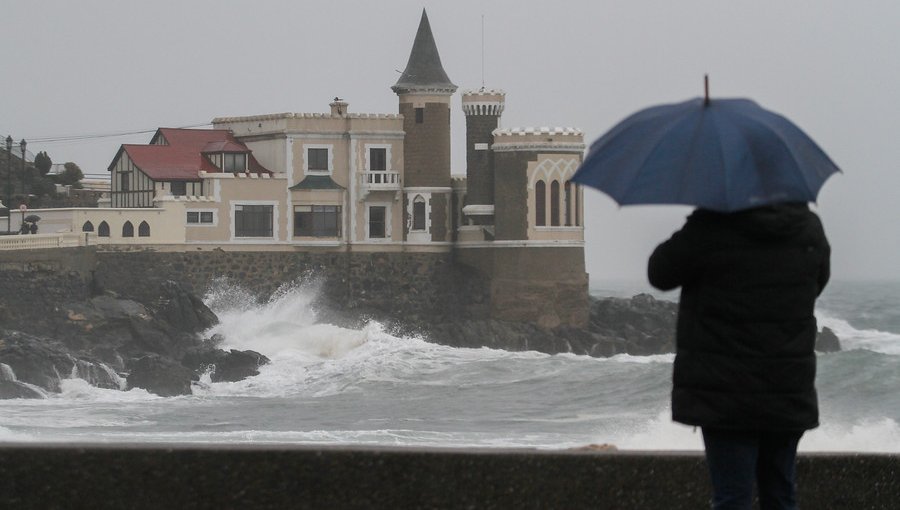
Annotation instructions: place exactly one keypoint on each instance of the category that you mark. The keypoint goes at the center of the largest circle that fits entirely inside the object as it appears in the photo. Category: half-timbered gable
(173, 163)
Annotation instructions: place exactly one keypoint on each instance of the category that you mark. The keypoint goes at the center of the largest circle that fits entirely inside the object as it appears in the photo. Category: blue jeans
(737, 458)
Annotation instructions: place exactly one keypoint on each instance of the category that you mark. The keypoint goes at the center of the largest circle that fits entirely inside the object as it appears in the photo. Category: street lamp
(24, 175)
(9, 142)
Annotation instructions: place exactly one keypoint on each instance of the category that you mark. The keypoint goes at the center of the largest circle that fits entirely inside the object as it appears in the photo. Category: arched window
(127, 229)
(568, 205)
(554, 203)
(577, 210)
(87, 227)
(103, 229)
(540, 204)
(418, 222)
(144, 229)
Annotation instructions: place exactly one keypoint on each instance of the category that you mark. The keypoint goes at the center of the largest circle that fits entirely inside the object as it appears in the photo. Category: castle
(344, 181)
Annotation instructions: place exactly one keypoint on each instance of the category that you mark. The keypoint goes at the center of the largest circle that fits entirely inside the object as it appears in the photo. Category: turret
(483, 109)
(424, 91)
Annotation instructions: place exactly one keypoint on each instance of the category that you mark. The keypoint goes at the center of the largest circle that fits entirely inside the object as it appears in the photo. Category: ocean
(331, 385)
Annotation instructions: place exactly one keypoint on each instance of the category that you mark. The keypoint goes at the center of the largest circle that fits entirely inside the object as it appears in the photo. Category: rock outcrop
(147, 335)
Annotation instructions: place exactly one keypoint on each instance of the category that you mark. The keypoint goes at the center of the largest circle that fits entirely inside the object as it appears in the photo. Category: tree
(70, 176)
(43, 162)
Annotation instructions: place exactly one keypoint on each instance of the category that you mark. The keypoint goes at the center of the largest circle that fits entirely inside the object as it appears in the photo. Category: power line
(96, 136)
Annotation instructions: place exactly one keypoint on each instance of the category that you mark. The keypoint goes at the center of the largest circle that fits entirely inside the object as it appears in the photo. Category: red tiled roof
(182, 159)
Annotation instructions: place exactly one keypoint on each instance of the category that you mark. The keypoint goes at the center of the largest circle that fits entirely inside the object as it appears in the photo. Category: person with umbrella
(750, 260)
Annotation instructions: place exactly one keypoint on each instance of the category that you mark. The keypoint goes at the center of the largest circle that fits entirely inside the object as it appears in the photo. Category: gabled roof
(181, 157)
(424, 70)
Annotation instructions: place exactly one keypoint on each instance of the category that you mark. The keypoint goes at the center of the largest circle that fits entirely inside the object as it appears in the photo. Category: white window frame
(329, 147)
(215, 217)
(418, 235)
(388, 235)
(387, 156)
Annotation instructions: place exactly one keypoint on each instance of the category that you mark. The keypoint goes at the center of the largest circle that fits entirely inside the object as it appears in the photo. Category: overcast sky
(98, 67)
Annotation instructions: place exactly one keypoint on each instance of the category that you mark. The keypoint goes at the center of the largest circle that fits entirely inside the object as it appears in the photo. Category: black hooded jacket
(746, 330)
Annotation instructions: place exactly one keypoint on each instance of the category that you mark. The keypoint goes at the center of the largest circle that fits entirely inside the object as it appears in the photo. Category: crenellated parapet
(483, 102)
(556, 139)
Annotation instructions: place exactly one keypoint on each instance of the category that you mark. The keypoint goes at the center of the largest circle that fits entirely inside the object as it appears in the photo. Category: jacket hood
(771, 221)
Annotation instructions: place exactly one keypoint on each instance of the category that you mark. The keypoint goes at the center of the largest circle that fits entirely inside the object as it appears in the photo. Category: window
(420, 115)
(144, 229)
(378, 160)
(317, 160)
(418, 222)
(568, 205)
(377, 222)
(179, 188)
(232, 162)
(252, 220)
(103, 229)
(540, 204)
(127, 229)
(123, 182)
(317, 221)
(554, 203)
(87, 227)
(199, 217)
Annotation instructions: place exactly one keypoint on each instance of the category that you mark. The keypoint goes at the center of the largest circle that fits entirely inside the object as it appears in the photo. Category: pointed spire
(424, 71)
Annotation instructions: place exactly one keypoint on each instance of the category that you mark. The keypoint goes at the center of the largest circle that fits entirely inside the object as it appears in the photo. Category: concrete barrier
(287, 477)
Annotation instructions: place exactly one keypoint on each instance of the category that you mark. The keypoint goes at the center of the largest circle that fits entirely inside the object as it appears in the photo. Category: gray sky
(103, 66)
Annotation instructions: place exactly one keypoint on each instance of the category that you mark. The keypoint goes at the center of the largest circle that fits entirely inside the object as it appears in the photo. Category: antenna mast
(482, 52)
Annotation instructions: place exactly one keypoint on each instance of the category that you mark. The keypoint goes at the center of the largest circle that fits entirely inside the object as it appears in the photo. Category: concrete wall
(286, 476)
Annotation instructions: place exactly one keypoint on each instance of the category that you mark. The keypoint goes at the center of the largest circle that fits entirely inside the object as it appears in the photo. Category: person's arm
(672, 262)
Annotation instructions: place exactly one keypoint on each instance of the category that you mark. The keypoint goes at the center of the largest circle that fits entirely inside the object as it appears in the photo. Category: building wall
(427, 145)
(511, 194)
(547, 286)
(140, 188)
(479, 177)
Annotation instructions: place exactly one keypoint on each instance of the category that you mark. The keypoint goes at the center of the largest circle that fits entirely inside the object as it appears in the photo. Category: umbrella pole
(706, 90)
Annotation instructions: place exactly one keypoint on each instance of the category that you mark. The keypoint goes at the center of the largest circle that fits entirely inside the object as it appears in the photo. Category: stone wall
(319, 477)
(414, 289)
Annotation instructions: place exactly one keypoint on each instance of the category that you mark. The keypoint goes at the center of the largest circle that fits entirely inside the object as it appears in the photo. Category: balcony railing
(381, 180)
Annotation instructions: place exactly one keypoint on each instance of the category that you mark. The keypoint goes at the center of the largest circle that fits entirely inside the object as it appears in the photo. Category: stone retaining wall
(413, 288)
(278, 477)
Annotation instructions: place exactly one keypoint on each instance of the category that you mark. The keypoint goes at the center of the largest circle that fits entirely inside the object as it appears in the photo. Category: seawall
(252, 477)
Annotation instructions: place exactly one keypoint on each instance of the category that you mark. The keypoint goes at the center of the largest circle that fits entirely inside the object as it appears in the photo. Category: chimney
(338, 107)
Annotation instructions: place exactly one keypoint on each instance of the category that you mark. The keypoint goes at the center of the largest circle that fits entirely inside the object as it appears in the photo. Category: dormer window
(234, 162)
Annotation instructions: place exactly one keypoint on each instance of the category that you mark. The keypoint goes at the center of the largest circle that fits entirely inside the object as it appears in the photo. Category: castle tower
(424, 92)
(483, 109)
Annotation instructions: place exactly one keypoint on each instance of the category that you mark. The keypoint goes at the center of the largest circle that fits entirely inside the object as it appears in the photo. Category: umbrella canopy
(720, 154)
(33, 218)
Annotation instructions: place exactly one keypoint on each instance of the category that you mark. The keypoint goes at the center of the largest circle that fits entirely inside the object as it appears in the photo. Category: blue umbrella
(720, 154)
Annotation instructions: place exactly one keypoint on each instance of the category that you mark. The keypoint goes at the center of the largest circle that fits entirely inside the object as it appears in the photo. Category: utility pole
(9, 142)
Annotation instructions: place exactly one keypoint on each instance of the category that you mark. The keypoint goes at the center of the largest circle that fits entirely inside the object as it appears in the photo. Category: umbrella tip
(705, 90)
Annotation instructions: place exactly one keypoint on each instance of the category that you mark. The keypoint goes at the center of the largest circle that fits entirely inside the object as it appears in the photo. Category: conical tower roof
(424, 71)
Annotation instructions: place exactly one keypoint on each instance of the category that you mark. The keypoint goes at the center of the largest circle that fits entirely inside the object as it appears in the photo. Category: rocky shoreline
(156, 342)
(150, 335)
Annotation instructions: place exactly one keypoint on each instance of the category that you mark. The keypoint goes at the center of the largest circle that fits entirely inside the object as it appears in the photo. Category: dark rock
(238, 365)
(183, 310)
(644, 324)
(162, 376)
(44, 362)
(15, 389)
(827, 341)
